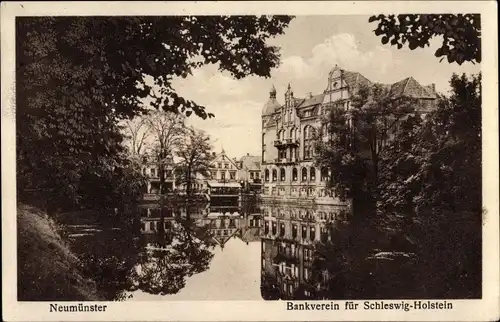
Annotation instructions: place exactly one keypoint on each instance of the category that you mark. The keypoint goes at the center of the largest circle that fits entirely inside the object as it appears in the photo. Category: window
(324, 174)
(275, 175)
(312, 233)
(291, 134)
(282, 154)
(232, 175)
(274, 228)
(266, 228)
(304, 174)
(226, 165)
(251, 175)
(312, 174)
(282, 230)
(266, 174)
(282, 174)
(257, 175)
(294, 231)
(214, 174)
(223, 176)
(304, 232)
(153, 172)
(219, 165)
(294, 174)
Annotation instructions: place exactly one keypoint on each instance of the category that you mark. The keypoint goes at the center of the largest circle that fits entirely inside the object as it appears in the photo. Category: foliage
(77, 77)
(136, 134)
(432, 194)
(428, 197)
(461, 33)
(163, 268)
(356, 137)
(194, 153)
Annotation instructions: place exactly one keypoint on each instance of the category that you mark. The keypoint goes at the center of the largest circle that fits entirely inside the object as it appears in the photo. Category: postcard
(250, 161)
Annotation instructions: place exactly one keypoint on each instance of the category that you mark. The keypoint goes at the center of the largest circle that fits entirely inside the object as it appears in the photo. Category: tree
(432, 192)
(461, 33)
(163, 268)
(137, 133)
(354, 140)
(167, 129)
(78, 76)
(195, 156)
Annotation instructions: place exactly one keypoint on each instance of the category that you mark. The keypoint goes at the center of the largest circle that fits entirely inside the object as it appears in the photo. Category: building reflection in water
(288, 237)
(288, 233)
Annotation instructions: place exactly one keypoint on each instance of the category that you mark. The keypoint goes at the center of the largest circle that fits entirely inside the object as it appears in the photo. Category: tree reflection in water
(165, 263)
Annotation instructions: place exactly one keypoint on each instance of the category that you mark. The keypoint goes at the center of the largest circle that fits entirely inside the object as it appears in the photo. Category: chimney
(310, 94)
(248, 154)
(433, 87)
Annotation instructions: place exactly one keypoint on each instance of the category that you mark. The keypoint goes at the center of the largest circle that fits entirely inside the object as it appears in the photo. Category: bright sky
(310, 47)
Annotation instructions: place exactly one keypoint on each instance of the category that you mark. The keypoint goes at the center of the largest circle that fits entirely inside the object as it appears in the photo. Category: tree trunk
(188, 193)
(161, 172)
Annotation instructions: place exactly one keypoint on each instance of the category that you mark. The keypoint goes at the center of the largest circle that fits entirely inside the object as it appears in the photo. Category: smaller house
(249, 172)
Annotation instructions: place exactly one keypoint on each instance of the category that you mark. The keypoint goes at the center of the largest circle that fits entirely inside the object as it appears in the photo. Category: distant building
(151, 170)
(249, 172)
(223, 169)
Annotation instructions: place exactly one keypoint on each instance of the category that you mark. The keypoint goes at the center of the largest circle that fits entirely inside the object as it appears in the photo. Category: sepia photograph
(279, 158)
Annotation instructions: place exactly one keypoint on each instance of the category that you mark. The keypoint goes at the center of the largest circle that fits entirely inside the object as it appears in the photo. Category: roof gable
(222, 157)
(250, 162)
(410, 87)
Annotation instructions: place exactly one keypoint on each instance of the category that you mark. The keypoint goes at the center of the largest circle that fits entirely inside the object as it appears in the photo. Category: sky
(310, 48)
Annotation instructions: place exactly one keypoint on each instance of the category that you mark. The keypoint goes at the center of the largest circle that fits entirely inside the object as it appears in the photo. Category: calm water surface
(234, 274)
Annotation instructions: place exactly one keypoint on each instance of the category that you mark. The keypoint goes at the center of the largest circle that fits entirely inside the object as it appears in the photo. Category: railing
(288, 141)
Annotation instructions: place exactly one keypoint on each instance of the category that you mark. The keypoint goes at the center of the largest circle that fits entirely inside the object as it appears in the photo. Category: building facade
(249, 172)
(287, 169)
(223, 168)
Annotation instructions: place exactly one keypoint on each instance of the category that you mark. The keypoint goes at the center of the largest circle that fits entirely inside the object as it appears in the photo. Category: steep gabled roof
(411, 88)
(250, 162)
(313, 100)
(354, 79)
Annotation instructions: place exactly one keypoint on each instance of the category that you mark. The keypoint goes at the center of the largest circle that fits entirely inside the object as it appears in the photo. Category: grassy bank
(47, 269)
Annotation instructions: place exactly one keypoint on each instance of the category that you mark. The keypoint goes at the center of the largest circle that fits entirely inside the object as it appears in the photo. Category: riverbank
(47, 269)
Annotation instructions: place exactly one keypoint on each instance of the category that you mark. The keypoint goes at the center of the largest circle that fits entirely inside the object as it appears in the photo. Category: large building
(297, 207)
(287, 166)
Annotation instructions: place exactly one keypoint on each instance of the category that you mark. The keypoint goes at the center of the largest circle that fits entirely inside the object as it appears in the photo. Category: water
(236, 252)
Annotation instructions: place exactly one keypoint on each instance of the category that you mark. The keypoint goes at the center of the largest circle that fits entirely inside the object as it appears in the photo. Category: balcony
(285, 161)
(286, 142)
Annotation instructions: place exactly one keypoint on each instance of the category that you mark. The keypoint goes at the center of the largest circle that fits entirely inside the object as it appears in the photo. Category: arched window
(324, 174)
(291, 134)
(266, 174)
(304, 174)
(275, 175)
(307, 132)
(312, 174)
(282, 174)
(282, 134)
(295, 175)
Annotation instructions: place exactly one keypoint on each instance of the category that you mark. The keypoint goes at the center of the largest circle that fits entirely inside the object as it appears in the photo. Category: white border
(464, 310)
